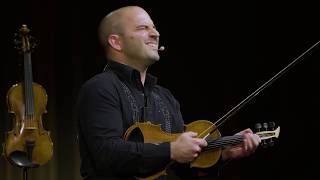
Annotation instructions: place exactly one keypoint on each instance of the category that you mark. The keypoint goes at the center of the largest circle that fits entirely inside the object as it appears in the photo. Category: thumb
(192, 134)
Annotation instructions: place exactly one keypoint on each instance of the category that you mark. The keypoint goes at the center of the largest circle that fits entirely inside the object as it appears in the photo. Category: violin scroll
(23, 41)
(267, 133)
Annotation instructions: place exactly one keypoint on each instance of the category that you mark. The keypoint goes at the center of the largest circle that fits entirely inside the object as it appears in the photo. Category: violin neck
(237, 139)
(223, 141)
(28, 91)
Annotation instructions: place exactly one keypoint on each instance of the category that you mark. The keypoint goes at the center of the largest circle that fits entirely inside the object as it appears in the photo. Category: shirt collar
(131, 75)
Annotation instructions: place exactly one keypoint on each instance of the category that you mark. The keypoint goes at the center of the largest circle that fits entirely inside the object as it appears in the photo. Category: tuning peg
(257, 127)
(264, 144)
(16, 42)
(33, 43)
(271, 143)
(265, 126)
(271, 125)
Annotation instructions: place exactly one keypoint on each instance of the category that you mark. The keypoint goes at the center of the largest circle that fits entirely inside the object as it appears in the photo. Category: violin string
(225, 138)
(222, 144)
(228, 140)
(225, 141)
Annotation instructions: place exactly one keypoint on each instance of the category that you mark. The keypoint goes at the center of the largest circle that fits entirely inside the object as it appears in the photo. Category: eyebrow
(146, 25)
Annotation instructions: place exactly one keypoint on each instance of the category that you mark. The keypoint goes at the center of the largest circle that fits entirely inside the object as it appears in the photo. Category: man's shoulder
(161, 89)
(100, 77)
(103, 79)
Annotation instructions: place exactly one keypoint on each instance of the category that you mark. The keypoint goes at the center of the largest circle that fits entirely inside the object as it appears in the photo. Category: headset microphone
(161, 48)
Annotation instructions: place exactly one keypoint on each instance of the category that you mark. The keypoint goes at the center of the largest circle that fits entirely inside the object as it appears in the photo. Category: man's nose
(154, 33)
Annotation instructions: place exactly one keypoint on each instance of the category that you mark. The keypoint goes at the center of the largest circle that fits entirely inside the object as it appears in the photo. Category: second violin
(28, 144)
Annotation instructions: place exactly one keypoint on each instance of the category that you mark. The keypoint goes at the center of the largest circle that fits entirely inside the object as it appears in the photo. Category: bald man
(112, 101)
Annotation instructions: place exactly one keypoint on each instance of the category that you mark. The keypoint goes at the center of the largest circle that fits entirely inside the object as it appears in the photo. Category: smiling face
(130, 37)
(139, 37)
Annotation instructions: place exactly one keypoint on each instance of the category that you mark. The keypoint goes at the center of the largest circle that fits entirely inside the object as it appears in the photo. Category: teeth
(152, 45)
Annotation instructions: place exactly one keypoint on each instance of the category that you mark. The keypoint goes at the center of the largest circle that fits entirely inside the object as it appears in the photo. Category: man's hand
(248, 146)
(186, 147)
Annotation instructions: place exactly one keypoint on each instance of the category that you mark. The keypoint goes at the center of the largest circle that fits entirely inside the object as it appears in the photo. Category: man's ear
(114, 42)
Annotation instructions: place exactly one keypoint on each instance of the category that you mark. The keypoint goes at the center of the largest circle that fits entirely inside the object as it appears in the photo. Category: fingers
(187, 147)
(198, 141)
(251, 142)
(248, 130)
(191, 134)
(196, 155)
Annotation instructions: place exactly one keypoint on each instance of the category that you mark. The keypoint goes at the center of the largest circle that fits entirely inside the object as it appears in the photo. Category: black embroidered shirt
(108, 104)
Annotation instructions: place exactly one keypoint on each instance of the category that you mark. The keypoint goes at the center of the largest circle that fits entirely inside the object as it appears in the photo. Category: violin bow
(245, 101)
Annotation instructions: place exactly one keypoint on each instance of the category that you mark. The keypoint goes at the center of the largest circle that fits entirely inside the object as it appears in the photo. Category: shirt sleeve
(101, 127)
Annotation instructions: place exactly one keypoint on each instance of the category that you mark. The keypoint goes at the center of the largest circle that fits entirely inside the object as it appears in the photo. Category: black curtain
(216, 54)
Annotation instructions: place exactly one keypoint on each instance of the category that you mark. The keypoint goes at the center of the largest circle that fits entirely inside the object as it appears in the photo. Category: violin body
(27, 131)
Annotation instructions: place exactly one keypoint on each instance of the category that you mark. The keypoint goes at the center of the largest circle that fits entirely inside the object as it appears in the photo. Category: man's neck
(143, 76)
(137, 66)
(142, 68)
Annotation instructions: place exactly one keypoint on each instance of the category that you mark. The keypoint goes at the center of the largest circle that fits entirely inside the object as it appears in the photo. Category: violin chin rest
(21, 159)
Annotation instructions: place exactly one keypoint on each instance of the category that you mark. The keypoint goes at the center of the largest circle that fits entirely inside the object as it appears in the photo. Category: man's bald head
(113, 23)
(128, 36)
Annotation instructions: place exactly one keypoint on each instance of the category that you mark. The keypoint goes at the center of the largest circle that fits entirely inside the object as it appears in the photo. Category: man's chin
(153, 60)
(155, 57)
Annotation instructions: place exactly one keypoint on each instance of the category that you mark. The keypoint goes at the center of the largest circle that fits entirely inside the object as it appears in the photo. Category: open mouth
(153, 45)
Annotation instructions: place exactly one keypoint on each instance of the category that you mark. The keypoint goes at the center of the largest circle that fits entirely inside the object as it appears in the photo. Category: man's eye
(143, 27)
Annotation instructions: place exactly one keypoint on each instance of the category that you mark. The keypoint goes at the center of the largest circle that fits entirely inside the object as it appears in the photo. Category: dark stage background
(217, 53)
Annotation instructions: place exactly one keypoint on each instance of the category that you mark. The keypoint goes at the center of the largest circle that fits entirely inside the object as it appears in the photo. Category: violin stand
(25, 173)
(26, 168)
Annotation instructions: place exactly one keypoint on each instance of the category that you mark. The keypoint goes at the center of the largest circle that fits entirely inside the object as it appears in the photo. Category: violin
(28, 144)
(209, 155)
